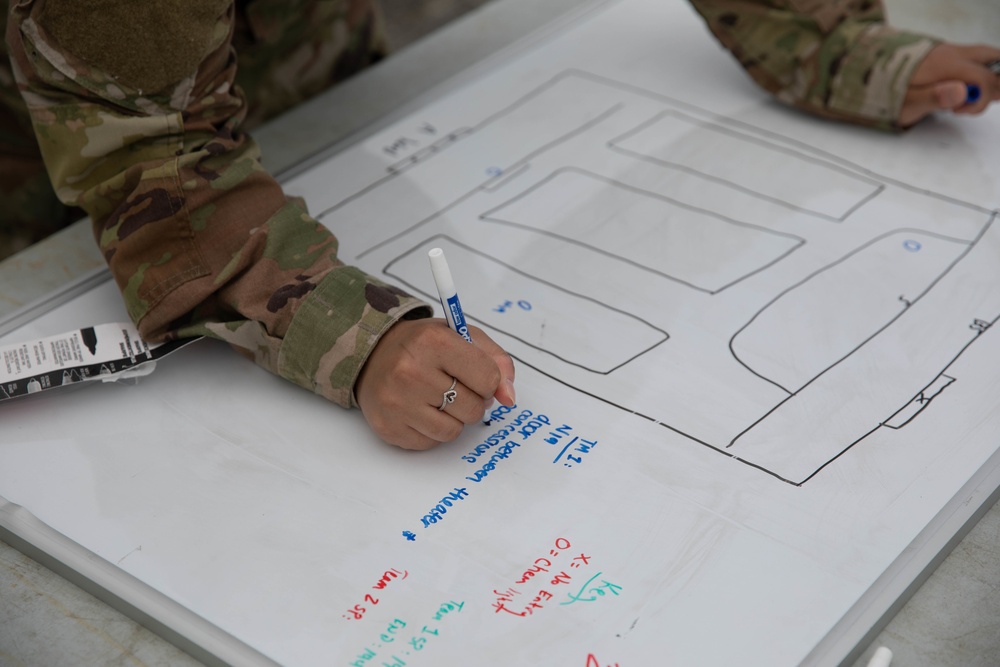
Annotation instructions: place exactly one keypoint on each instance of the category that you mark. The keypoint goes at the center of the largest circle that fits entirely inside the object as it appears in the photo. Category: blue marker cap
(972, 93)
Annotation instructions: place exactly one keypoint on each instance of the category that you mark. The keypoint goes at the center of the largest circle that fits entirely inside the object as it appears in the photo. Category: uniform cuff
(335, 329)
(871, 83)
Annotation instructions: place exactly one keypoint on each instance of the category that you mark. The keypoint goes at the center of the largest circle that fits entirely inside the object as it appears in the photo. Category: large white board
(754, 360)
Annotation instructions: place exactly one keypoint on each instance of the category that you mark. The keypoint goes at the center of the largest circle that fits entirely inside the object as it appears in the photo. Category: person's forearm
(836, 58)
(200, 238)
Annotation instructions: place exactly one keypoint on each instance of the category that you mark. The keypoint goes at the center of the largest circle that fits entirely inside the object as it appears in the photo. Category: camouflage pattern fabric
(290, 50)
(200, 239)
(29, 208)
(145, 129)
(287, 51)
(833, 58)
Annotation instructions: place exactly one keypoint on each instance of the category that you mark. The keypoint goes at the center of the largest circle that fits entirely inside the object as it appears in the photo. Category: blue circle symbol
(912, 246)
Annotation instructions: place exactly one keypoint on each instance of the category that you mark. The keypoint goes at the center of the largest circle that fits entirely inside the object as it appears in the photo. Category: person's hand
(940, 82)
(403, 382)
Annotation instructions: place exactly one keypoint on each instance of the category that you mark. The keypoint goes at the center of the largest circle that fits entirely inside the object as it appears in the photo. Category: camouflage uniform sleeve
(834, 58)
(139, 123)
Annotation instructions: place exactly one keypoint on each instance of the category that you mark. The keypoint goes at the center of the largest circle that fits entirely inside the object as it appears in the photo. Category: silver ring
(449, 396)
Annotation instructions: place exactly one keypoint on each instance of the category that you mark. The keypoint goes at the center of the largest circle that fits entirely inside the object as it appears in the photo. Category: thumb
(952, 94)
(505, 391)
(505, 388)
(923, 100)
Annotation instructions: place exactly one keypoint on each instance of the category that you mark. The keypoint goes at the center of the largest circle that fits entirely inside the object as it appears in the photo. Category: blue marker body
(456, 318)
(448, 294)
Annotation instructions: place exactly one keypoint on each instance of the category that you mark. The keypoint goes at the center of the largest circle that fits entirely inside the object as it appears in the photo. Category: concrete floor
(954, 619)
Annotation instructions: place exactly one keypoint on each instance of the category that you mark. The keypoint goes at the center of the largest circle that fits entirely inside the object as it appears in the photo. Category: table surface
(954, 617)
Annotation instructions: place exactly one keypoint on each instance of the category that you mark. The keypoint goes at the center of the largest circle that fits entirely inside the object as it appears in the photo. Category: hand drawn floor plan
(752, 277)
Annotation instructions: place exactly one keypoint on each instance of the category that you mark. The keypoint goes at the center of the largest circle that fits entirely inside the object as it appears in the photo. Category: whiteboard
(753, 358)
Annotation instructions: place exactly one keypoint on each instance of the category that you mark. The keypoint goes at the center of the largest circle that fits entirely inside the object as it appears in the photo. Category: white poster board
(754, 354)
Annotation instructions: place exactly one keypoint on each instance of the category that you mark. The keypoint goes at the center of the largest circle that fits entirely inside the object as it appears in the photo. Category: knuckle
(450, 431)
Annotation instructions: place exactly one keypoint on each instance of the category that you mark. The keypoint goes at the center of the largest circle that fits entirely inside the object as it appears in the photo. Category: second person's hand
(941, 81)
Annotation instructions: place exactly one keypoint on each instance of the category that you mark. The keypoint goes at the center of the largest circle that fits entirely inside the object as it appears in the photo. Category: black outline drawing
(876, 187)
(873, 187)
(492, 215)
(628, 356)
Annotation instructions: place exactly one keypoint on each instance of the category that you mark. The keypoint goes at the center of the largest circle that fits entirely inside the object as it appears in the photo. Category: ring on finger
(450, 395)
